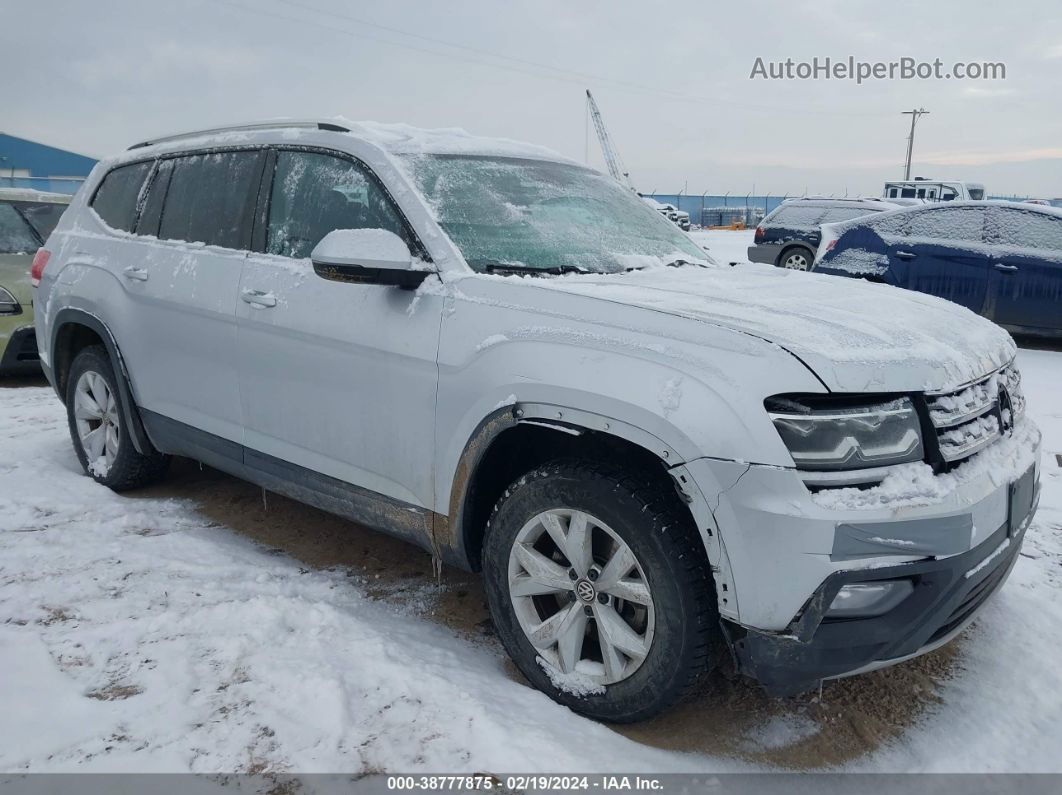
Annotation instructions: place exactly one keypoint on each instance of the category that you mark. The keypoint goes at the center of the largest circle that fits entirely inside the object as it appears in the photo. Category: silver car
(513, 362)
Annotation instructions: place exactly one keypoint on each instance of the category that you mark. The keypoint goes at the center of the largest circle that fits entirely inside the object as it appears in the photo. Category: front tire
(599, 589)
(97, 428)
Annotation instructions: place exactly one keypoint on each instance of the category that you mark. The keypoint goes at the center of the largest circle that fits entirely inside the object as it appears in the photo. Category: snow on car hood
(855, 335)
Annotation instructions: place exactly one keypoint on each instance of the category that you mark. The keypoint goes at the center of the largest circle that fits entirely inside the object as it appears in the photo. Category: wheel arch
(513, 440)
(72, 331)
(788, 247)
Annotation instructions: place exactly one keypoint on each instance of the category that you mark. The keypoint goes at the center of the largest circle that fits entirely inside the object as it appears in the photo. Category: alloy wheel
(580, 596)
(98, 422)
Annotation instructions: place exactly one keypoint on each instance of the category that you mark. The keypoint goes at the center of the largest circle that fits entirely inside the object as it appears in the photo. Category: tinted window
(798, 215)
(951, 223)
(314, 194)
(117, 199)
(1029, 230)
(15, 235)
(42, 216)
(976, 193)
(210, 198)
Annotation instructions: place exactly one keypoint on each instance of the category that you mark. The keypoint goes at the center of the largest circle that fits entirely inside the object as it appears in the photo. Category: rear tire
(96, 416)
(796, 258)
(661, 591)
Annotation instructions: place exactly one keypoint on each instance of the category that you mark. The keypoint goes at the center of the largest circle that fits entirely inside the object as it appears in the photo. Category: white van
(934, 190)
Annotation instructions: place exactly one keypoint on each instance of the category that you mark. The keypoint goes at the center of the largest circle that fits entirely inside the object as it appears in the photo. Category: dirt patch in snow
(729, 715)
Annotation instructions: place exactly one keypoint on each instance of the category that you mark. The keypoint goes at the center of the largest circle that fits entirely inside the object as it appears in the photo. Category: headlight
(839, 433)
(8, 304)
(867, 599)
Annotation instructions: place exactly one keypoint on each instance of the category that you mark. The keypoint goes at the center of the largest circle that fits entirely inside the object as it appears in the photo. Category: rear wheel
(598, 589)
(797, 259)
(97, 428)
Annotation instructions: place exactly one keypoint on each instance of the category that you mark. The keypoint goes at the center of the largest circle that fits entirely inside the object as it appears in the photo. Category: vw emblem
(584, 589)
(1006, 409)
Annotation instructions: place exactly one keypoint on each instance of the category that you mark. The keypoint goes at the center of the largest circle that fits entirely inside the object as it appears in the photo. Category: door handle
(906, 254)
(258, 298)
(136, 274)
(999, 266)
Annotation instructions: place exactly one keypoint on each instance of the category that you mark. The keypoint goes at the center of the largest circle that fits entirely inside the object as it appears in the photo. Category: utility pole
(914, 114)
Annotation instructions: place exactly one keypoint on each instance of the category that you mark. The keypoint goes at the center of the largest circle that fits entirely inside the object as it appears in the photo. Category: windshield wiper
(552, 270)
(675, 263)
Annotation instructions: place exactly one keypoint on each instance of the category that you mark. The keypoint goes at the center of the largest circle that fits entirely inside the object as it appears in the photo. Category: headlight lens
(8, 304)
(867, 599)
(835, 434)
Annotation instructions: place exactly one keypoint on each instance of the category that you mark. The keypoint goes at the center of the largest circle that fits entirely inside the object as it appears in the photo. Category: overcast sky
(672, 81)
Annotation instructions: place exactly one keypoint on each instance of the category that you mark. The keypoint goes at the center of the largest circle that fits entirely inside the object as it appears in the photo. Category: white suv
(512, 361)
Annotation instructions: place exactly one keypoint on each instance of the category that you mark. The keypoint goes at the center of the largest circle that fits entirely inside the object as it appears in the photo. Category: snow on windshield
(543, 214)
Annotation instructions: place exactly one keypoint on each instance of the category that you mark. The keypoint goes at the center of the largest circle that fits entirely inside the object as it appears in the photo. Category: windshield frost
(542, 214)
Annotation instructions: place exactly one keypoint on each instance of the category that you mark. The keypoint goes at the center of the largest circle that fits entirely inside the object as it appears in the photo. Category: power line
(514, 64)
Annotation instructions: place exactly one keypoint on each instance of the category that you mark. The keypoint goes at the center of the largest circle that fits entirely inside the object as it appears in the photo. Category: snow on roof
(31, 195)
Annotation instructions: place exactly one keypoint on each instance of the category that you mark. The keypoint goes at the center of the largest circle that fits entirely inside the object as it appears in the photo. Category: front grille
(969, 419)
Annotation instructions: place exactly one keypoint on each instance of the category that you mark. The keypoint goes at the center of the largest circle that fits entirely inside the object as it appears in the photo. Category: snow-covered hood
(855, 335)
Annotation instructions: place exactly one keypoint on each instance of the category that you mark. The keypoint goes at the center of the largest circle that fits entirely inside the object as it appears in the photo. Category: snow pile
(575, 683)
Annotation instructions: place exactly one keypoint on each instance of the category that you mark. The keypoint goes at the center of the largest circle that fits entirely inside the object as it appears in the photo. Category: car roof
(395, 139)
(833, 201)
(933, 206)
(30, 195)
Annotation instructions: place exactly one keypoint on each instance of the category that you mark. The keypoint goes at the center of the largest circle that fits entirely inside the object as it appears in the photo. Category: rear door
(338, 378)
(183, 288)
(942, 252)
(1026, 268)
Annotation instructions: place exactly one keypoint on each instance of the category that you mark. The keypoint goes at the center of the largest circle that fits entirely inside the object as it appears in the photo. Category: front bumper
(947, 595)
(19, 356)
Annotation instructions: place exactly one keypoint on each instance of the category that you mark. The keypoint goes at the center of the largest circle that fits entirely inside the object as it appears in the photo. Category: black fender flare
(130, 413)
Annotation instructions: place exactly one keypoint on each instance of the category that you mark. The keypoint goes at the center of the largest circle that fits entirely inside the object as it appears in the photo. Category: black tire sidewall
(665, 673)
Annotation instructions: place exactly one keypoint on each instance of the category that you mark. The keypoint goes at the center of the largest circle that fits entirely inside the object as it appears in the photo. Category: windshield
(543, 215)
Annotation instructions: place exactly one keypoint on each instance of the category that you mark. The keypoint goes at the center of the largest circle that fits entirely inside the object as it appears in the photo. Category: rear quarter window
(117, 201)
(798, 217)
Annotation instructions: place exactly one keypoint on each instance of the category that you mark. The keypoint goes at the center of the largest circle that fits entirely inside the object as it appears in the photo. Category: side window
(836, 214)
(314, 194)
(951, 223)
(1028, 230)
(16, 237)
(211, 198)
(117, 200)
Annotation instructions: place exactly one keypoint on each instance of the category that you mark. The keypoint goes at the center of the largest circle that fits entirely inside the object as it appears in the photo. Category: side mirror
(366, 256)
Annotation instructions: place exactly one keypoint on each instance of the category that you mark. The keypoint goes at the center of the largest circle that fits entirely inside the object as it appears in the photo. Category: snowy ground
(192, 627)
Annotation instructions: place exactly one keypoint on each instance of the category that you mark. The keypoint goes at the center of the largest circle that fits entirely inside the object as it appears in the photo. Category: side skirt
(369, 508)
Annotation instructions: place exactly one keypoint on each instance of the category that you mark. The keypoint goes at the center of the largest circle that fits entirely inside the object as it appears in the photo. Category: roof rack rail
(274, 124)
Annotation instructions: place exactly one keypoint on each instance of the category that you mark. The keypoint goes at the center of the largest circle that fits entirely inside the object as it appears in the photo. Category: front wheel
(97, 429)
(599, 590)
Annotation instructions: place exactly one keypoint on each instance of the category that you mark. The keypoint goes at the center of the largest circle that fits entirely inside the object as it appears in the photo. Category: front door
(337, 378)
(942, 252)
(1026, 269)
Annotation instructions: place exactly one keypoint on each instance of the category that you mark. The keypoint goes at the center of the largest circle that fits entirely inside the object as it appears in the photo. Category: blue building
(28, 164)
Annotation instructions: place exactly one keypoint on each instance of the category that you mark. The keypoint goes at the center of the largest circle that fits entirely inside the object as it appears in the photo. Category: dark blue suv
(1000, 259)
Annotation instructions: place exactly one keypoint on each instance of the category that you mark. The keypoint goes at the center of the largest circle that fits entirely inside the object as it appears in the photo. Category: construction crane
(612, 158)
